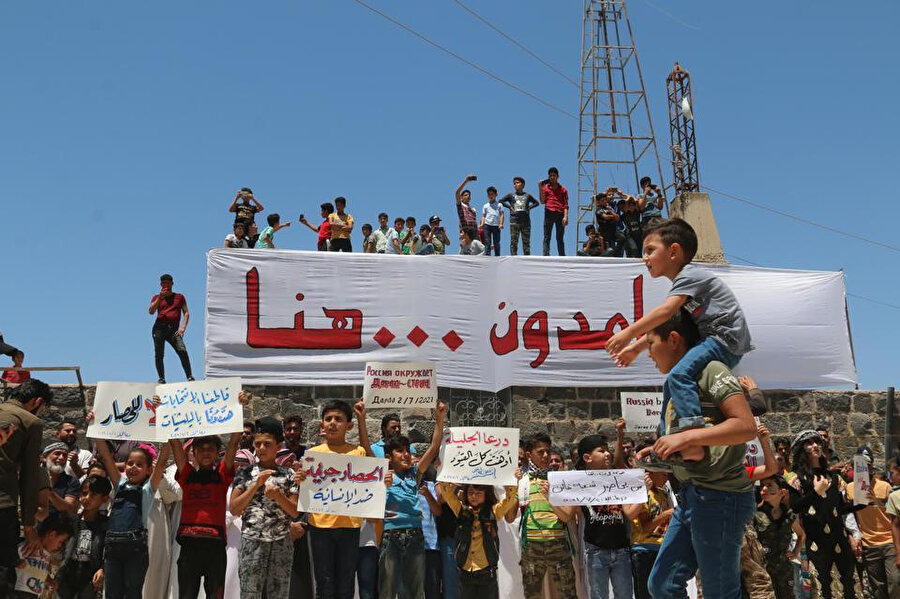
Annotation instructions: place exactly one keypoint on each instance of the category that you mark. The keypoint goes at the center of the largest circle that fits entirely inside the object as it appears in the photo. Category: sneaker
(190, 378)
(653, 463)
(161, 382)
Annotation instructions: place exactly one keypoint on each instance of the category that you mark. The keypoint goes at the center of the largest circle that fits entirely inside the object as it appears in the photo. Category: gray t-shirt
(714, 308)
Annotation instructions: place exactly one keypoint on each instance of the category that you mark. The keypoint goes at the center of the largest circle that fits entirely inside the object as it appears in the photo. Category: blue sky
(128, 128)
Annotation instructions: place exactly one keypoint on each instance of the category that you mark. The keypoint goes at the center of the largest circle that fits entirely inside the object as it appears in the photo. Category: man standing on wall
(555, 199)
(169, 307)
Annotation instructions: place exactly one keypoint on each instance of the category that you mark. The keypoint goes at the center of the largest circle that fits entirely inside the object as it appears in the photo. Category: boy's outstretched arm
(646, 323)
(235, 440)
(436, 438)
(738, 427)
(178, 453)
(626, 356)
(360, 409)
(160, 466)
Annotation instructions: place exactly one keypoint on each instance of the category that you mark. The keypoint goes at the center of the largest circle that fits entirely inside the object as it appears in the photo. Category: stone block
(586, 392)
(564, 393)
(799, 422)
(344, 392)
(521, 411)
(615, 410)
(861, 424)
(539, 410)
(608, 393)
(833, 402)
(530, 392)
(579, 410)
(776, 423)
(782, 401)
(839, 423)
(599, 409)
(862, 403)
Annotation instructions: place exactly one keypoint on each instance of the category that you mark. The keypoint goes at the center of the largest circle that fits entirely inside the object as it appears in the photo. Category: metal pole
(889, 425)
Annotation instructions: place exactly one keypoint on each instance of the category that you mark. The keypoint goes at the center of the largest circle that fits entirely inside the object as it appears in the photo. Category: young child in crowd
(607, 218)
(32, 573)
(402, 559)
(368, 239)
(519, 203)
(238, 238)
(775, 526)
(649, 522)
(725, 337)
(425, 241)
(324, 229)
(492, 222)
(630, 223)
(593, 245)
(335, 539)
(410, 240)
(267, 237)
(265, 497)
(469, 244)
(81, 572)
(477, 546)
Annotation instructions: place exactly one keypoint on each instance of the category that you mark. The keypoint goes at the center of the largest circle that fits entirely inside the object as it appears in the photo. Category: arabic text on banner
(343, 485)
(482, 455)
(400, 385)
(641, 410)
(199, 408)
(861, 482)
(597, 487)
(124, 411)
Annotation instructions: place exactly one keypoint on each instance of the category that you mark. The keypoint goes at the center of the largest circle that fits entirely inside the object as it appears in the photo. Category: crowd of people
(620, 220)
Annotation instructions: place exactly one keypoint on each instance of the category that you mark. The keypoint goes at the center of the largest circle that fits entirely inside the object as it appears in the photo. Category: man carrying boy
(519, 203)
(169, 306)
(245, 211)
(725, 337)
(265, 497)
(81, 572)
(267, 237)
(341, 227)
(555, 199)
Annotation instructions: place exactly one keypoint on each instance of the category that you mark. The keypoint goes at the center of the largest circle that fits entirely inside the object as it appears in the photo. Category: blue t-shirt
(429, 528)
(378, 449)
(403, 501)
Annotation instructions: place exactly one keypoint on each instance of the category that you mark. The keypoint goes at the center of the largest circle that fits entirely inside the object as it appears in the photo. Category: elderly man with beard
(64, 489)
(78, 460)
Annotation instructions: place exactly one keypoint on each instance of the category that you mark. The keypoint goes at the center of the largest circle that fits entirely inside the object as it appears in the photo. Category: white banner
(199, 408)
(861, 482)
(343, 485)
(283, 317)
(597, 487)
(641, 411)
(483, 455)
(124, 411)
(400, 385)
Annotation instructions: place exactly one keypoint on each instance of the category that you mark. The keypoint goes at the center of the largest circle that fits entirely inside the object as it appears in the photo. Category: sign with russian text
(641, 411)
(861, 482)
(482, 455)
(597, 487)
(283, 317)
(124, 411)
(400, 385)
(343, 485)
(199, 408)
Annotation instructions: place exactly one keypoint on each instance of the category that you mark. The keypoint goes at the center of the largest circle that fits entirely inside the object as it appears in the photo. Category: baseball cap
(433, 218)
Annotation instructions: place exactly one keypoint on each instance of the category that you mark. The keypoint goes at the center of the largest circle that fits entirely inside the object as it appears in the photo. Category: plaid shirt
(466, 216)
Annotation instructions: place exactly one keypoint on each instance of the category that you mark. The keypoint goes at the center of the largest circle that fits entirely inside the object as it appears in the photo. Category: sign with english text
(343, 485)
(861, 482)
(199, 408)
(282, 317)
(597, 487)
(482, 455)
(641, 411)
(400, 385)
(124, 412)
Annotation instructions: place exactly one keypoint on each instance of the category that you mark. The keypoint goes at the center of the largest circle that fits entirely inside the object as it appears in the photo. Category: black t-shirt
(632, 221)
(246, 212)
(66, 486)
(605, 526)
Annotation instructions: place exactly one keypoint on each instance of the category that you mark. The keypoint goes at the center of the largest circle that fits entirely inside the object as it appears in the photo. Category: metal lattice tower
(685, 172)
(616, 144)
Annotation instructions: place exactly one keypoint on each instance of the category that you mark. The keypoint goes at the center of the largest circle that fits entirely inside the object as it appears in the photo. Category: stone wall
(854, 418)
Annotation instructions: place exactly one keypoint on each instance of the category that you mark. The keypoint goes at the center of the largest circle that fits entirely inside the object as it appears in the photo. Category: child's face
(239, 231)
(895, 475)
(382, 221)
(137, 470)
(771, 493)
(253, 229)
(266, 447)
(540, 455)
(410, 223)
(91, 501)
(475, 496)
(401, 459)
(335, 425)
(398, 224)
(659, 258)
(598, 459)
(518, 185)
(53, 542)
(205, 454)
(325, 213)
(663, 351)
(492, 195)
(366, 231)
(466, 196)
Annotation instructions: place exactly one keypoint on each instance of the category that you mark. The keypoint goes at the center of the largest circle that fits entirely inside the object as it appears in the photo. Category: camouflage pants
(754, 576)
(553, 557)
(514, 229)
(265, 568)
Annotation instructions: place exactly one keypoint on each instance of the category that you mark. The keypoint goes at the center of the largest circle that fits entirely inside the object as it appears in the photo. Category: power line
(475, 66)
(803, 220)
(516, 43)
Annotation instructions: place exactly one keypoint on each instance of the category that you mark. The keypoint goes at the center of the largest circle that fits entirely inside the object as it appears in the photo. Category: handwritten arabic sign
(199, 408)
(861, 482)
(597, 487)
(343, 485)
(124, 411)
(400, 385)
(482, 455)
(641, 411)
(277, 318)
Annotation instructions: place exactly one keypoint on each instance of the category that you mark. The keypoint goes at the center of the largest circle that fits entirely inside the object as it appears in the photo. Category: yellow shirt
(344, 219)
(874, 524)
(477, 560)
(657, 503)
(330, 520)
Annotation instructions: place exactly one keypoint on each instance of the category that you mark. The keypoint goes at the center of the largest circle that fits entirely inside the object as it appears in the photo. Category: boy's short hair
(247, 189)
(411, 218)
(424, 229)
(676, 230)
(393, 444)
(166, 277)
(327, 207)
(492, 189)
(340, 200)
(384, 214)
(239, 223)
(644, 180)
(388, 418)
(367, 226)
(399, 219)
(273, 219)
(470, 231)
(32, 389)
(589, 228)
(338, 405)
(681, 323)
(518, 178)
(552, 171)
(269, 425)
(207, 440)
(539, 438)
(251, 424)
(59, 522)
(98, 485)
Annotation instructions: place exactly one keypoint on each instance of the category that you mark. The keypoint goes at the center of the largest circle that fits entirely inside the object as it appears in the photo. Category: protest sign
(861, 482)
(597, 487)
(124, 411)
(754, 454)
(482, 455)
(199, 408)
(641, 411)
(343, 485)
(400, 385)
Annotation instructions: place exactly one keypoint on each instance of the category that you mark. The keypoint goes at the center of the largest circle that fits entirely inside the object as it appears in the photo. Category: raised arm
(234, 203)
(619, 459)
(112, 470)
(462, 186)
(436, 438)
(646, 323)
(178, 453)
(771, 467)
(160, 467)
(259, 206)
(360, 409)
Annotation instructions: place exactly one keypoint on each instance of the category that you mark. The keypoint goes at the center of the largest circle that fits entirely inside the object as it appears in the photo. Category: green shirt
(723, 467)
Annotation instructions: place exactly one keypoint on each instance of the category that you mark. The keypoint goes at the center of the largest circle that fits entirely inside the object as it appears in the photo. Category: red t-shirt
(556, 200)
(324, 232)
(16, 376)
(204, 503)
(169, 308)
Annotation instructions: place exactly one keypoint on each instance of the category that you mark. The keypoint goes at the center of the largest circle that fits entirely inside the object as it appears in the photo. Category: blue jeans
(401, 564)
(449, 568)
(681, 384)
(491, 239)
(706, 532)
(605, 565)
(367, 572)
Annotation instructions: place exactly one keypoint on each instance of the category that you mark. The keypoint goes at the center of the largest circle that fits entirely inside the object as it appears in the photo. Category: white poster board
(597, 487)
(861, 482)
(123, 411)
(754, 454)
(343, 485)
(482, 455)
(641, 410)
(199, 408)
(400, 385)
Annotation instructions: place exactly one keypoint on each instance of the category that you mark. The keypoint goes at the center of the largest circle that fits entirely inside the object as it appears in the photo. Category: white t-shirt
(32, 576)
(232, 241)
(391, 236)
(476, 248)
(491, 213)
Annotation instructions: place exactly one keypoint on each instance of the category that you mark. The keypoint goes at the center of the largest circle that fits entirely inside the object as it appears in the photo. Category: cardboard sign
(597, 487)
(400, 385)
(861, 482)
(124, 411)
(641, 411)
(199, 408)
(343, 485)
(482, 455)
(754, 454)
